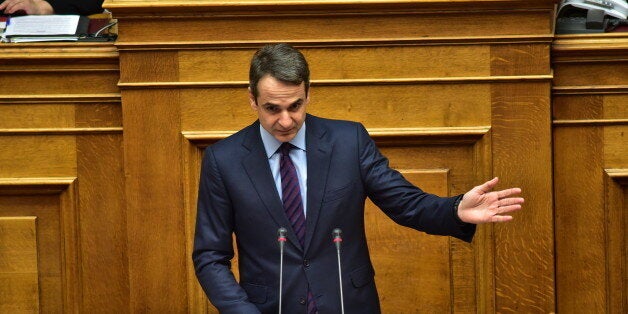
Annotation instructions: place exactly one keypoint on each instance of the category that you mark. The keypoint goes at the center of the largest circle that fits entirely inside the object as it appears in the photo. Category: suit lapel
(258, 170)
(318, 151)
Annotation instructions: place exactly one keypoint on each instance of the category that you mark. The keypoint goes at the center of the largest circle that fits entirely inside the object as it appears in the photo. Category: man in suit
(309, 175)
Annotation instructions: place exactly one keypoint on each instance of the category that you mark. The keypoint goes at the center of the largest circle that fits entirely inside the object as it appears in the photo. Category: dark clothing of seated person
(42, 7)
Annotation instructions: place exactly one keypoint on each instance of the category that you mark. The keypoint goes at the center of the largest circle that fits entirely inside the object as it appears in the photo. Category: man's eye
(272, 109)
(295, 107)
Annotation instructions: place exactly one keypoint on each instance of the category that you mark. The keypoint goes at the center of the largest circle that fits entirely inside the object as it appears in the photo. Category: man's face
(280, 107)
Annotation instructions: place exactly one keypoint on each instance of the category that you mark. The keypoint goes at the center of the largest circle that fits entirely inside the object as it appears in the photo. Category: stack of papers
(37, 28)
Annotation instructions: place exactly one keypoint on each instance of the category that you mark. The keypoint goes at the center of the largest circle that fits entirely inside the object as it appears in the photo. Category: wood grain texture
(616, 197)
(590, 162)
(410, 266)
(333, 26)
(18, 266)
(51, 200)
(154, 203)
(413, 105)
(73, 82)
(148, 67)
(60, 105)
(580, 219)
(470, 97)
(416, 61)
(60, 116)
(103, 242)
(522, 157)
(28, 161)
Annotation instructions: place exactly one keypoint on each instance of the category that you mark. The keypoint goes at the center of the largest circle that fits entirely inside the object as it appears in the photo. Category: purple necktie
(293, 204)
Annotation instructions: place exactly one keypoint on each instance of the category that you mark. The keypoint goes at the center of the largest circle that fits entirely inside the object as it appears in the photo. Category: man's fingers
(508, 192)
(501, 218)
(488, 185)
(510, 201)
(508, 208)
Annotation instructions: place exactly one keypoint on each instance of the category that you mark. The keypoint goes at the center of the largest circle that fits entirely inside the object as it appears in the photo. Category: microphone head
(337, 238)
(281, 234)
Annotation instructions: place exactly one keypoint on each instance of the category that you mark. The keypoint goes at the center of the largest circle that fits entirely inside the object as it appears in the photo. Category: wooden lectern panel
(18, 266)
(462, 86)
(62, 162)
(590, 121)
(412, 271)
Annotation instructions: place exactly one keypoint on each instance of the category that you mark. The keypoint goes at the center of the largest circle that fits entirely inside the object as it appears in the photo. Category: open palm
(482, 205)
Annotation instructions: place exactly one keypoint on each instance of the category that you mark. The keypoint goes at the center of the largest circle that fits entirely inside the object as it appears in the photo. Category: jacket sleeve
(403, 202)
(213, 243)
(80, 7)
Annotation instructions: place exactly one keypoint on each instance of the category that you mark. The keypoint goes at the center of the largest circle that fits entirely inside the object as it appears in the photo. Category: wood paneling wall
(63, 241)
(102, 146)
(453, 92)
(590, 122)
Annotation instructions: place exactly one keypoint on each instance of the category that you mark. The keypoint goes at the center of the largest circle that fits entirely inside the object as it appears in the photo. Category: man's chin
(284, 137)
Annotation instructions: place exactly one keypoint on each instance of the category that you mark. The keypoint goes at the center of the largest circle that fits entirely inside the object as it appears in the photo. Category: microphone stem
(280, 274)
(342, 302)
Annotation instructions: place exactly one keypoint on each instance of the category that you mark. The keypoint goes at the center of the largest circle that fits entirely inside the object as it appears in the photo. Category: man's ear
(252, 100)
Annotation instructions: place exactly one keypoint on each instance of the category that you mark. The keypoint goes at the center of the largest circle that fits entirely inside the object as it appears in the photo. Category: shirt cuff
(455, 211)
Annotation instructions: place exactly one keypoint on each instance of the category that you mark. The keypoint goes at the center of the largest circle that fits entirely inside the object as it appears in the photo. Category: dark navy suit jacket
(238, 195)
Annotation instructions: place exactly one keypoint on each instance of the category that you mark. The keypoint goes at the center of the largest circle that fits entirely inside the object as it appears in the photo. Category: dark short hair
(281, 61)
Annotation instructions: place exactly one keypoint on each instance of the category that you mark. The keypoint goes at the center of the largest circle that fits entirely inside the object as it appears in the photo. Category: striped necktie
(293, 204)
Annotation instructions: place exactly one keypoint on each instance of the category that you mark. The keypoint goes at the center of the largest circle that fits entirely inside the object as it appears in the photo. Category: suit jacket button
(302, 301)
(306, 263)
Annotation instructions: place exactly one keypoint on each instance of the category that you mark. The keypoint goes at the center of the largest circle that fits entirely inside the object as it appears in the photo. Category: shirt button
(306, 263)
(302, 301)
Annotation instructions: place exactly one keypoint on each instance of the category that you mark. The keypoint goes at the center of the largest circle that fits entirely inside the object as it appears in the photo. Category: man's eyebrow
(296, 102)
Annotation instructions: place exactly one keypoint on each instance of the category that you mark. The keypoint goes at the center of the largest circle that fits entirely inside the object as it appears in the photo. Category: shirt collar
(271, 144)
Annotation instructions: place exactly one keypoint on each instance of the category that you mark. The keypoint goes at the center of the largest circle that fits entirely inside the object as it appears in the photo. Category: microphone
(281, 239)
(337, 234)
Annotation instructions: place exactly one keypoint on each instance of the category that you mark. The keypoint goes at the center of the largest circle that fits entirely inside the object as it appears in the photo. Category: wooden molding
(347, 82)
(590, 122)
(590, 90)
(60, 131)
(363, 42)
(70, 255)
(607, 47)
(383, 136)
(616, 236)
(58, 50)
(618, 175)
(124, 8)
(49, 185)
(53, 98)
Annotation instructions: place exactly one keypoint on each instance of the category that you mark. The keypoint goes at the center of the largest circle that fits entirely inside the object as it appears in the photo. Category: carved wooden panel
(19, 272)
(473, 99)
(61, 162)
(590, 169)
(54, 242)
(411, 266)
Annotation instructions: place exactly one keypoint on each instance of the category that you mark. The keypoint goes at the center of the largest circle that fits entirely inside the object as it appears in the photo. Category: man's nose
(284, 119)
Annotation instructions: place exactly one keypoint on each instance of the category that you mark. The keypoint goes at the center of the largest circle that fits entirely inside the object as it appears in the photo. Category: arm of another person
(213, 246)
(31, 7)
